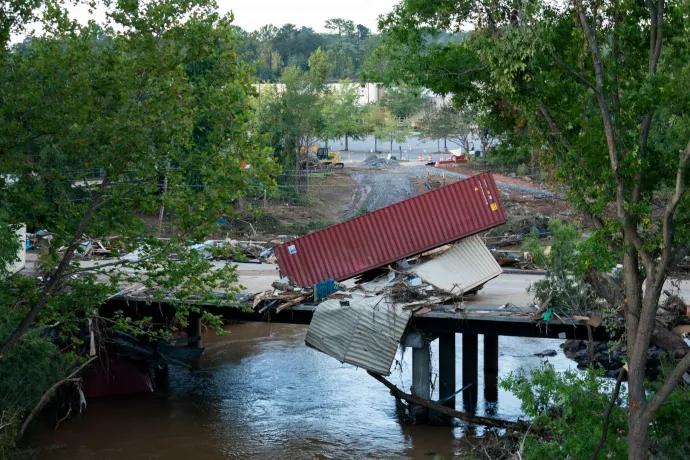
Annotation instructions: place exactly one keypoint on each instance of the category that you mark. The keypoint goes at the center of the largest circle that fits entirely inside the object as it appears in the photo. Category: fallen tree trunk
(465, 417)
(49, 394)
(670, 342)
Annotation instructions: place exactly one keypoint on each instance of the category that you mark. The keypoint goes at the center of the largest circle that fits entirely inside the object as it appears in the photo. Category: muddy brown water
(259, 392)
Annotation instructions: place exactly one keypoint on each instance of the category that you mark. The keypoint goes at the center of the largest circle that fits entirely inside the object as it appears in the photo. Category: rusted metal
(395, 232)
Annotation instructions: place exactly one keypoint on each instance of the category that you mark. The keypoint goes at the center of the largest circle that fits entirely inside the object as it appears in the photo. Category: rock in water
(546, 353)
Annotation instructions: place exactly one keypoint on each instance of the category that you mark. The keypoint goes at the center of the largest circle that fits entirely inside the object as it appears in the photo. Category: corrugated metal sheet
(362, 331)
(467, 265)
(401, 230)
(323, 289)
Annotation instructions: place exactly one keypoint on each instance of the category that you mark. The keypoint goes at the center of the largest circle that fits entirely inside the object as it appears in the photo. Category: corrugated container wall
(392, 233)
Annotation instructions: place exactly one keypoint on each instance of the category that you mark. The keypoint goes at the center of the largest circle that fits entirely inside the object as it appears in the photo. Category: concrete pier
(194, 330)
(446, 369)
(470, 371)
(421, 374)
(490, 368)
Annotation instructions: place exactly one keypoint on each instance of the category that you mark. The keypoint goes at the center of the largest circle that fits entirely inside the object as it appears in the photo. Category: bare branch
(603, 107)
(466, 71)
(669, 385)
(574, 73)
(49, 394)
(670, 214)
(656, 22)
(412, 399)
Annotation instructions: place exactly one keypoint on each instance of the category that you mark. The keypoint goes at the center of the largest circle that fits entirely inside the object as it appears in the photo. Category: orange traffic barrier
(420, 158)
(430, 159)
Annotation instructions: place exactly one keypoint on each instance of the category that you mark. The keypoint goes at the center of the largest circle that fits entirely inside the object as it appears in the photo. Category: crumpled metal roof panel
(395, 232)
(362, 331)
(464, 267)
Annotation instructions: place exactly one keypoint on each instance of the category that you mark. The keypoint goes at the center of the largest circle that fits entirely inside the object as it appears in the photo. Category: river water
(259, 392)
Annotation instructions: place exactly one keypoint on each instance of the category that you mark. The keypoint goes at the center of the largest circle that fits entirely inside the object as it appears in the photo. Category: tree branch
(487, 421)
(112, 264)
(646, 257)
(669, 385)
(55, 279)
(607, 414)
(572, 71)
(603, 107)
(669, 215)
(656, 22)
(49, 394)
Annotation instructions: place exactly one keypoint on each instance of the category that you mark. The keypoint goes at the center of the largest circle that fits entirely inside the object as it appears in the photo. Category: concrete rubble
(374, 162)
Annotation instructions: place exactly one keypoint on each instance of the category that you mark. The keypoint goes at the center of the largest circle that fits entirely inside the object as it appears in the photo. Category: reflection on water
(261, 393)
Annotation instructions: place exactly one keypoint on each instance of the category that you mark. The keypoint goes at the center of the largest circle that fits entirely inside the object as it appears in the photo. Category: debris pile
(409, 258)
(42, 238)
(515, 259)
(611, 356)
(114, 246)
(374, 162)
(236, 251)
(361, 323)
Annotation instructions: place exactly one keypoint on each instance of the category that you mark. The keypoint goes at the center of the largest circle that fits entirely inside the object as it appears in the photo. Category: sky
(252, 14)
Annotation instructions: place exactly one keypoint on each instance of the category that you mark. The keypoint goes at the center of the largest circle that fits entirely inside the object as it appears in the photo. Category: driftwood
(289, 304)
(49, 394)
(465, 417)
(670, 342)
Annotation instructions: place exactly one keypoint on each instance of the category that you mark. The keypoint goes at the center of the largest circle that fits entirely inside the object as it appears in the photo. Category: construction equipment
(327, 158)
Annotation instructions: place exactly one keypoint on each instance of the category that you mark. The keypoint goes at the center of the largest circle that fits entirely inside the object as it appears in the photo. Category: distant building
(369, 93)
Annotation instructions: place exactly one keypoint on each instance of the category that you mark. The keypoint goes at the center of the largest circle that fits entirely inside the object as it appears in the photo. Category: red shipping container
(395, 232)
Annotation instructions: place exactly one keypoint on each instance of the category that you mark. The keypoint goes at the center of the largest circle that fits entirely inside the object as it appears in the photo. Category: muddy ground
(352, 191)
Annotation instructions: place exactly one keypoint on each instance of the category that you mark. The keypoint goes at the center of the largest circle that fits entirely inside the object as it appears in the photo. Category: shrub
(522, 169)
(569, 407)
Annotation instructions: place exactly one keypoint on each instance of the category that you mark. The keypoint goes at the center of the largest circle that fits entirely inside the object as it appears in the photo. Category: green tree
(403, 101)
(156, 95)
(342, 114)
(343, 27)
(600, 87)
(382, 124)
(291, 117)
(448, 123)
(321, 66)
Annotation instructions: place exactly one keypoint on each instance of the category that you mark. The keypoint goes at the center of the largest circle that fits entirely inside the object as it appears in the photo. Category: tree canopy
(596, 89)
(94, 119)
(272, 49)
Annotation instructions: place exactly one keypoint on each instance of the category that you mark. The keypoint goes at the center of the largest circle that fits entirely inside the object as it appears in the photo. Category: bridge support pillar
(470, 371)
(421, 374)
(194, 330)
(446, 369)
(490, 368)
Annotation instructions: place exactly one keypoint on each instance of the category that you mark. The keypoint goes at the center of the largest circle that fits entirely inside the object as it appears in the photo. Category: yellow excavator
(331, 159)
